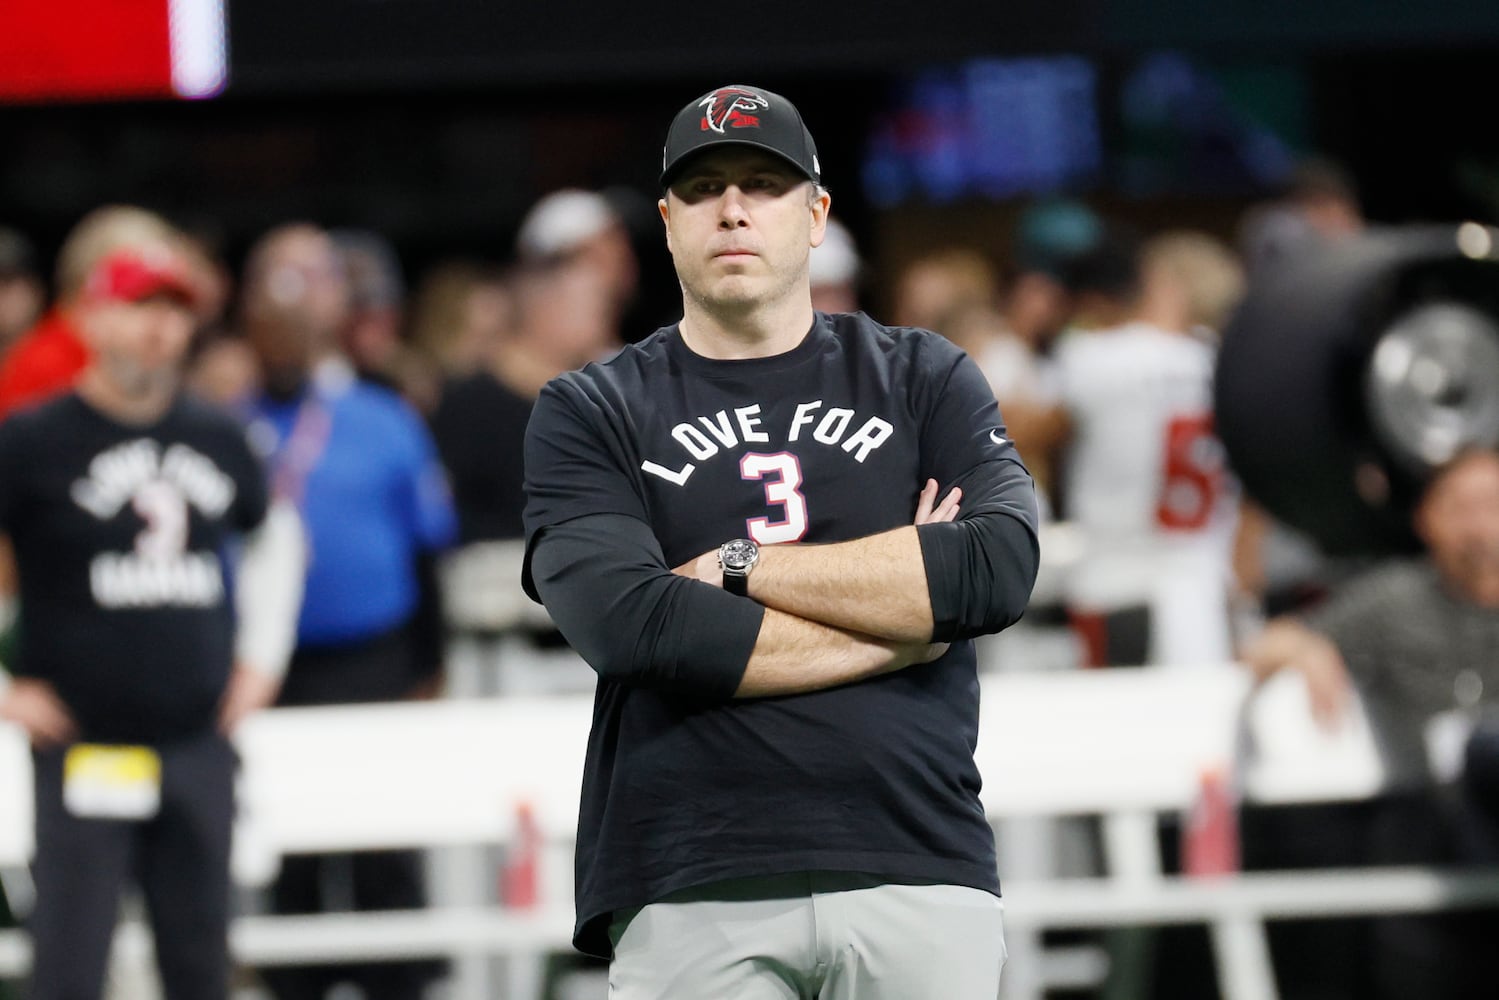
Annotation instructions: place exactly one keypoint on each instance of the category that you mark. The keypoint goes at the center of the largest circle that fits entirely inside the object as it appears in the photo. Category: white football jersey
(1147, 483)
(1016, 371)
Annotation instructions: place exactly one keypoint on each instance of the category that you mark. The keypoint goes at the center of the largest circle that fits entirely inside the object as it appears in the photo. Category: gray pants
(828, 936)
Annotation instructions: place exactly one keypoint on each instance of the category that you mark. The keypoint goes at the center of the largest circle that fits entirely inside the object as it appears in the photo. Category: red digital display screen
(94, 49)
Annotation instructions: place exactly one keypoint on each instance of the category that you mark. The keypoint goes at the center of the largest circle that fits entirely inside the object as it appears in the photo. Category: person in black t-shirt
(780, 795)
(122, 499)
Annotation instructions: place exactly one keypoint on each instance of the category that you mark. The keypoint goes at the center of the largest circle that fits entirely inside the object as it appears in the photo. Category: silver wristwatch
(736, 559)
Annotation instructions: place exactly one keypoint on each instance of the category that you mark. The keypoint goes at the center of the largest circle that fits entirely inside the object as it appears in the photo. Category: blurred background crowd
(434, 223)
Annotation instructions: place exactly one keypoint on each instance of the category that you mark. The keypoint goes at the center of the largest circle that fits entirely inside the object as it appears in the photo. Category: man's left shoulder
(210, 430)
(859, 331)
(198, 412)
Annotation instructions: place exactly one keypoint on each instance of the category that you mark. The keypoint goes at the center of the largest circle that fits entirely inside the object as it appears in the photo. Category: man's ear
(821, 205)
(665, 211)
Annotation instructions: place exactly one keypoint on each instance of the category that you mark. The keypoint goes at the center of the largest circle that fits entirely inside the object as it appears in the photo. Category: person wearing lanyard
(359, 464)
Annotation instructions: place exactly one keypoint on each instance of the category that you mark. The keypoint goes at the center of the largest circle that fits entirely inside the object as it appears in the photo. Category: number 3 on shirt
(1193, 477)
(164, 510)
(782, 474)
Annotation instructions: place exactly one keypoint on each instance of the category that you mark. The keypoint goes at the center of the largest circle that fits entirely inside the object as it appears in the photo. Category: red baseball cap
(131, 274)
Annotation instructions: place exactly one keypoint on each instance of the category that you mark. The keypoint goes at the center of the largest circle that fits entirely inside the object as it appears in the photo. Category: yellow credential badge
(111, 782)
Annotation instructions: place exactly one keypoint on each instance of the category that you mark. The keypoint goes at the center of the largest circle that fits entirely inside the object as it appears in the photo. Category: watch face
(738, 554)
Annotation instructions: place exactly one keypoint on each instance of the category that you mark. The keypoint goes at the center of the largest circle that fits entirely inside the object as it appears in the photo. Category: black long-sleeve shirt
(646, 461)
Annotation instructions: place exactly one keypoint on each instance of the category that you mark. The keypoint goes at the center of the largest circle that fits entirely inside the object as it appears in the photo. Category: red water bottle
(518, 888)
(1210, 836)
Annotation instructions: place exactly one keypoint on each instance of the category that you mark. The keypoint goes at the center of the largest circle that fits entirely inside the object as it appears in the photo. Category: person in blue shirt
(360, 465)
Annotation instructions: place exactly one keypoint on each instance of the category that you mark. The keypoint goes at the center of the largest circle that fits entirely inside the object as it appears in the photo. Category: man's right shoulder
(1390, 588)
(37, 428)
(1400, 578)
(42, 413)
(621, 373)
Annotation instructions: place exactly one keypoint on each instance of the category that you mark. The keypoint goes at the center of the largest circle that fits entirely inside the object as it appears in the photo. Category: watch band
(736, 583)
(735, 560)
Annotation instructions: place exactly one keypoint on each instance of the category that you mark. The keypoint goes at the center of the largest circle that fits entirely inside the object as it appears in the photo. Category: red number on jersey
(1193, 479)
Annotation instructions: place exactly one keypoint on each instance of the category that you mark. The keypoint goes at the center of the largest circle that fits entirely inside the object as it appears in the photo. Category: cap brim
(673, 169)
(128, 276)
(165, 286)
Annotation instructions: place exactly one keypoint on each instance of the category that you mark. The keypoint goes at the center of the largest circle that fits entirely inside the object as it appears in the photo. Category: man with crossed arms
(780, 796)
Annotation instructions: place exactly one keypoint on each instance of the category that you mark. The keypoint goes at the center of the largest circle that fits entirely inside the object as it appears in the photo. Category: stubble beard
(136, 382)
(720, 304)
(740, 294)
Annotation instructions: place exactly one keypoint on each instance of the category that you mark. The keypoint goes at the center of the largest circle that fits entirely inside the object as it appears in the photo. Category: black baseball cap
(740, 116)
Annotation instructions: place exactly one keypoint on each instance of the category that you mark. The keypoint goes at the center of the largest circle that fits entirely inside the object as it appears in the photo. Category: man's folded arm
(980, 572)
(932, 582)
(605, 582)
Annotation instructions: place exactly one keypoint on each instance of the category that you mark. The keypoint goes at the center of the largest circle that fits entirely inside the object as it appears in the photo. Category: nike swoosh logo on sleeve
(994, 436)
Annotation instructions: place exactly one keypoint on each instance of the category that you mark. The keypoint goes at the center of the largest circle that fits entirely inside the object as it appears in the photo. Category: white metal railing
(1124, 744)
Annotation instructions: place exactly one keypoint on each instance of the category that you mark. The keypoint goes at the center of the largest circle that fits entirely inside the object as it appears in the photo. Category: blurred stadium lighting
(69, 50)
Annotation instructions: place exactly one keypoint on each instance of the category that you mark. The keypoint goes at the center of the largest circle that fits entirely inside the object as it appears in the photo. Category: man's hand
(947, 510)
(249, 691)
(34, 706)
(1287, 644)
(1327, 685)
(706, 569)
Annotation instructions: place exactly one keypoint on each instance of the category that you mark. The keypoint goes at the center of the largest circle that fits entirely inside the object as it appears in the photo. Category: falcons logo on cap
(732, 106)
